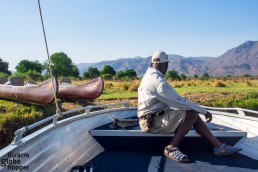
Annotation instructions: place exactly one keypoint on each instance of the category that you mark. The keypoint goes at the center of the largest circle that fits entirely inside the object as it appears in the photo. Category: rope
(58, 111)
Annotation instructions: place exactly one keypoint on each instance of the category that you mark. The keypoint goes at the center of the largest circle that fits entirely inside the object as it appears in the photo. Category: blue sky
(93, 31)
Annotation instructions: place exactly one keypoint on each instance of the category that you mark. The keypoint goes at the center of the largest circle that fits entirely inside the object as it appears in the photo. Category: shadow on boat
(155, 161)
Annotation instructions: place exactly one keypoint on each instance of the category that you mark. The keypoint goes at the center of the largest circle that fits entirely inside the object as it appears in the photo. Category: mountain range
(240, 60)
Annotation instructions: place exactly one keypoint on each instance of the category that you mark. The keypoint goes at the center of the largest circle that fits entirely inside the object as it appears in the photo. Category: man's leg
(193, 119)
(184, 127)
(171, 151)
(203, 130)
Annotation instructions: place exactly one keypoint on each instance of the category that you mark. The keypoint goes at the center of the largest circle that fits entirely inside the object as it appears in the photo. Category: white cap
(159, 57)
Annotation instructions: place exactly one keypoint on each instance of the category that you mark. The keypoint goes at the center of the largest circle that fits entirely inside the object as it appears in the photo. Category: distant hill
(236, 61)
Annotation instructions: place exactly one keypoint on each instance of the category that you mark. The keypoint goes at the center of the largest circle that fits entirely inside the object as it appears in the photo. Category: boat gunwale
(239, 110)
(52, 126)
(18, 133)
(21, 131)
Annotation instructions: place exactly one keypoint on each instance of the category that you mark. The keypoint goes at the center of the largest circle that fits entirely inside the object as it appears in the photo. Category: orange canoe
(34, 94)
(90, 90)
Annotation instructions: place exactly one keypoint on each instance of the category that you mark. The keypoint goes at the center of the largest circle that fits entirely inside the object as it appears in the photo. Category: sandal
(225, 149)
(175, 154)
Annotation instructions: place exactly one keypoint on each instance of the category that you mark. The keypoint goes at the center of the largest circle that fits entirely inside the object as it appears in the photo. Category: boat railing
(240, 111)
(19, 133)
(88, 109)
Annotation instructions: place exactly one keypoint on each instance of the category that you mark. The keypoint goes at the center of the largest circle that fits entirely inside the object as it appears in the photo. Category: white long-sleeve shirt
(155, 94)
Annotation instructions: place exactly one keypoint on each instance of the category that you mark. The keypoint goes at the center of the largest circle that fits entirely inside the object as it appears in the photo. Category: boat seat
(65, 80)
(3, 80)
(133, 137)
(16, 81)
(139, 133)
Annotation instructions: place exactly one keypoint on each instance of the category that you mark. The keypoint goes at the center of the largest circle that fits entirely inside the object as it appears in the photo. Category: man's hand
(208, 116)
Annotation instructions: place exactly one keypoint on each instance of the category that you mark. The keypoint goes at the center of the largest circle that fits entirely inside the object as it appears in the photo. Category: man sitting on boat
(162, 110)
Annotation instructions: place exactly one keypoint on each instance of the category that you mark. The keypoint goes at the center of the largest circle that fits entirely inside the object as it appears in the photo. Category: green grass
(238, 93)
(113, 93)
(245, 94)
(234, 88)
(231, 102)
(203, 87)
(14, 115)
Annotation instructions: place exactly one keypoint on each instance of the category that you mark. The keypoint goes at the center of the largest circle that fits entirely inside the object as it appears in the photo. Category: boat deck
(132, 150)
(132, 138)
(155, 161)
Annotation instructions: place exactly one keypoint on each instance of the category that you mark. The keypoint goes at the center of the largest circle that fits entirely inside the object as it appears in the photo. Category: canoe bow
(90, 90)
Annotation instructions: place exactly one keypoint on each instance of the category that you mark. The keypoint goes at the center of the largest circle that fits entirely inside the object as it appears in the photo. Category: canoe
(90, 90)
(43, 93)
(91, 140)
(34, 94)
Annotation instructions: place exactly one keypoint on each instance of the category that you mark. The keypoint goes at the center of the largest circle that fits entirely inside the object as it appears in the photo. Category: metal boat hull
(79, 139)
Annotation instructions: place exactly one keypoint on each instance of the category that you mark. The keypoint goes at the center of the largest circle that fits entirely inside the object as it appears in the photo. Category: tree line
(173, 75)
(62, 66)
(108, 73)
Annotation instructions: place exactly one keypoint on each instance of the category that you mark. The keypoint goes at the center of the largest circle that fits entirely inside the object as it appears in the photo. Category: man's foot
(225, 149)
(175, 154)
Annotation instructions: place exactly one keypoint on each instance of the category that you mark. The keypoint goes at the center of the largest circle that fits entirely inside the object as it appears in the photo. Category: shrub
(134, 87)
(108, 85)
(34, 75)
(205, 76)
(205, 83)
(218, 84)
(4, 74)
(17, 115)
(107, 77)
(172, 75)
(187, 83)
(176, 85)
(248, 83)
(91, 73)
(123, 85)
(46, 76)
